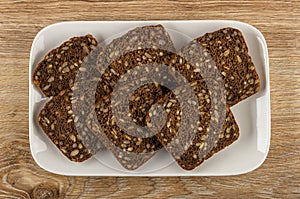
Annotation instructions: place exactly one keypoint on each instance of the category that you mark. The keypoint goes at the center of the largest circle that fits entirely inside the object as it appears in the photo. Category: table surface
(279, 176)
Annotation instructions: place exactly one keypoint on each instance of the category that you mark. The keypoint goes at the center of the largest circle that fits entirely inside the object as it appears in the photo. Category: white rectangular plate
(252, 114)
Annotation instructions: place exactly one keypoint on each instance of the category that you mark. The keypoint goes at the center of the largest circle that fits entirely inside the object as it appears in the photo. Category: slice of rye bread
(58, 122)
(141, 46)
(227, 50)
(198, 123)
(57, 71)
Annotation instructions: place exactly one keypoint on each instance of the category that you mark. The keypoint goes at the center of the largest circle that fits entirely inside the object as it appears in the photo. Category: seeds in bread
(84, 92)
(142, 46)
(57, 71)
(146, 37)
(119, 126)
(68, 111)
(131, 144)
(58, 122)
(140, 102)
(198, 123)
(225, 50)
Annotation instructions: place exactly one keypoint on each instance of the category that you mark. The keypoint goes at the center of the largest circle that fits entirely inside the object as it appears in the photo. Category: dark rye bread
(57, 71)
(141, 101)
(121, 117)
(84, 92)
(198, 123)
(67, 113)
(156, 80)
(130, 144)
(225, 50)
(119, 55)
(58, 122)
(144, 46)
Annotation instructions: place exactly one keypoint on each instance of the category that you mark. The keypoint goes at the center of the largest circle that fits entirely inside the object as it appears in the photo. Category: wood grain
(278, 177)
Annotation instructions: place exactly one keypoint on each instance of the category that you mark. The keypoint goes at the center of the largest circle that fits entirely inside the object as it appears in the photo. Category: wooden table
(278, 177)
